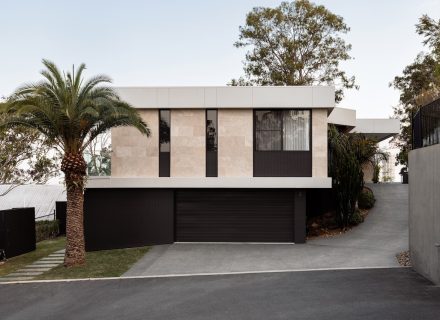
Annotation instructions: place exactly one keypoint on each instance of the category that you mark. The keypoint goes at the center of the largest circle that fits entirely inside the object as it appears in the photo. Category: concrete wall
(235, 143)
(188, 148)
(424, 211)
(135, 155)
(319, 143)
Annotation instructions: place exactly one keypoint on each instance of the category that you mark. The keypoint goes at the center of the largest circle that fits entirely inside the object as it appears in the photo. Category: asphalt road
(396, 293)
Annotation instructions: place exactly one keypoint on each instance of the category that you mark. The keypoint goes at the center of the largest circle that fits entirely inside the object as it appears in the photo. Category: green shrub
(356, 218)
(46, 229)
(366, 199)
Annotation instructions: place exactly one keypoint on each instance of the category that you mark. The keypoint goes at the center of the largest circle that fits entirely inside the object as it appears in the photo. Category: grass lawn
(44, 248)
(106, 263)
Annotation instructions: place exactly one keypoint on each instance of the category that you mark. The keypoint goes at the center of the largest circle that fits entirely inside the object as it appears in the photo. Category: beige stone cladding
(319, 143)
(188, 155)
(135, 155)
(235, 142)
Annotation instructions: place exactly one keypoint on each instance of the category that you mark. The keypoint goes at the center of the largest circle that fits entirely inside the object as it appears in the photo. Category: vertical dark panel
(300, 216)
(164, 142)
(211, 143)
(18, 231)
(60, 212)
(211, 164)
(164, 164)
(122, 218)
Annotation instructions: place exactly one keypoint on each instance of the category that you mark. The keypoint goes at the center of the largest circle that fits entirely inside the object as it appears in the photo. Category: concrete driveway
(373, 244)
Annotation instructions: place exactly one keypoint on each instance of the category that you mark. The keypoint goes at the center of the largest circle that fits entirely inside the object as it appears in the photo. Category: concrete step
(15, 279)
(35, 269)
(20, 273)
(42, 261)
(51, 265)
(52, 260)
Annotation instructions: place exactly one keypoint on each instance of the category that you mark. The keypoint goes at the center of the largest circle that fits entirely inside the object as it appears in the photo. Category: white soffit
(343, 117)
(217, 182)
(309, 97)
(379, 129)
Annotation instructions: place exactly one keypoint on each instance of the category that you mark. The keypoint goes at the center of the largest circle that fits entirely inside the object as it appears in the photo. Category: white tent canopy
(41, 197)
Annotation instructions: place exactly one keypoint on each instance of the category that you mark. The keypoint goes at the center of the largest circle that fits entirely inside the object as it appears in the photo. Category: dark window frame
(282, 125)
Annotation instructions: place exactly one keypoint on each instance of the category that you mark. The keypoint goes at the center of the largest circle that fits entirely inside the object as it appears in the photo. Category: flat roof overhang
(379, 129)
(282, 97)
(342, 117)
(211, 182)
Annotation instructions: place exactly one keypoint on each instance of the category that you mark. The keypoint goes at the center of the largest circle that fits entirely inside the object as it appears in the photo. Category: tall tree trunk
(74, 168)
(75, 247)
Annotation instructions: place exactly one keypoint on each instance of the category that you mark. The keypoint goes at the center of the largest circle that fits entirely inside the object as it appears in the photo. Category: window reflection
(211, 130)
(287, 130)
(164, 130)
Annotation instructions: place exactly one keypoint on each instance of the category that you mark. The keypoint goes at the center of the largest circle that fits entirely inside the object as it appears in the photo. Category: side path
(35, 269)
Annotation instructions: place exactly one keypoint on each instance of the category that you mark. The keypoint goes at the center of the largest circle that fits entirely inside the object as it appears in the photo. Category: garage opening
(225, 215)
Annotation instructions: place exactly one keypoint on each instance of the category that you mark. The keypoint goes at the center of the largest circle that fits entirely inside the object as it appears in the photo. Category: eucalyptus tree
(295, 43)
(418, 84)
(71, 112)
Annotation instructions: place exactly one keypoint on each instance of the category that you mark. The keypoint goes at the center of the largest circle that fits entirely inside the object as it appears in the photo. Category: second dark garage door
(234, 215)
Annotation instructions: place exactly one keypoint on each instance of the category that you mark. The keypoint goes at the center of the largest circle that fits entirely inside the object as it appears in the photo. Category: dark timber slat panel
(235, 215)
(122, 218)
(282, 163)
(211, 163)
(164, 164)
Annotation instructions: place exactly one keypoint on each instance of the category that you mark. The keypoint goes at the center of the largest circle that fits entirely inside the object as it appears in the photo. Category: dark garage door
(234, 215)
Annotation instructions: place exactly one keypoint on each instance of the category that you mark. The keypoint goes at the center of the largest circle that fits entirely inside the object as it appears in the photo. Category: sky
(173, 43)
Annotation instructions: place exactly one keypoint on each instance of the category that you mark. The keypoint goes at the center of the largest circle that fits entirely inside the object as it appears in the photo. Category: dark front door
(224, 215)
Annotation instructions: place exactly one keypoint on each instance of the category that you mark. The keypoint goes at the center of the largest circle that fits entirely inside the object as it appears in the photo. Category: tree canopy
(419, 83)
(26, 156)
(70, 112)
(296, 43)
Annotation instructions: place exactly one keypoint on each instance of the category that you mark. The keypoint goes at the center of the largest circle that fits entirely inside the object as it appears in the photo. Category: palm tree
(71, 112)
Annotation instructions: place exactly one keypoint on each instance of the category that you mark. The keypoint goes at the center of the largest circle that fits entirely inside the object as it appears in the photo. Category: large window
(282, 130)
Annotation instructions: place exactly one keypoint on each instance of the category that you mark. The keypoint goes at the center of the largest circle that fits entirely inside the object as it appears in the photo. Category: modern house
(223, 164)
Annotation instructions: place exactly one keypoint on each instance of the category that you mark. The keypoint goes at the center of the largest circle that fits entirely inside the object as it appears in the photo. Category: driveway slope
(372, 244)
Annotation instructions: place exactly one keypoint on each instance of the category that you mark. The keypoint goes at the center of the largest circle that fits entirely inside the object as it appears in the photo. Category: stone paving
(37, 268)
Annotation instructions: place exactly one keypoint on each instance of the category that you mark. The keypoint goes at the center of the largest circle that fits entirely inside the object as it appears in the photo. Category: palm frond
(68, 110)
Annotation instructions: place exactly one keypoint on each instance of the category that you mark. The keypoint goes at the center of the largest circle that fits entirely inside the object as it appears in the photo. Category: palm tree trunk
(75, 247)
(74, 168)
